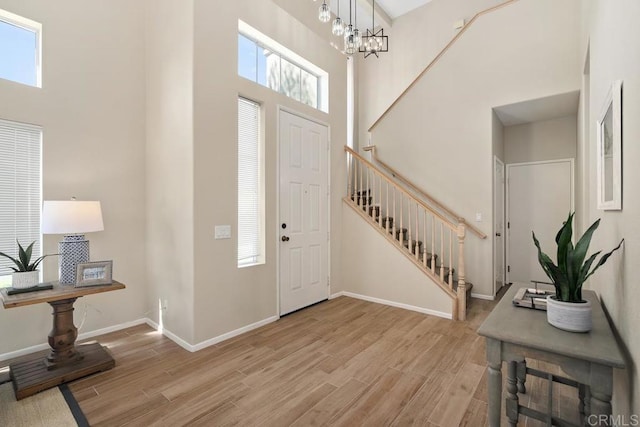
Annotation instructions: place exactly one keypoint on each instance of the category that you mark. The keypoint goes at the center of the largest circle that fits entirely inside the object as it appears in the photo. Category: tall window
(20, 191)
(250, 185)
(20, 49)
(266, 62)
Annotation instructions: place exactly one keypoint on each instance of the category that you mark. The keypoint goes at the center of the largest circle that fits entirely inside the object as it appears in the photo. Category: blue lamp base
(73, 250)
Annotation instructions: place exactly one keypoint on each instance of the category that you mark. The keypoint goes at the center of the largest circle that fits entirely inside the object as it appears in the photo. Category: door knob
(285, 239)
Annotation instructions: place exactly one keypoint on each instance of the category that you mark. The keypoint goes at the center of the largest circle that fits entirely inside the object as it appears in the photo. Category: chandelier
(372, 43)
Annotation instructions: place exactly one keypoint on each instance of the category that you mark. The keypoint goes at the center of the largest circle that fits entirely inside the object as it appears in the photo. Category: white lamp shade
(71, 217)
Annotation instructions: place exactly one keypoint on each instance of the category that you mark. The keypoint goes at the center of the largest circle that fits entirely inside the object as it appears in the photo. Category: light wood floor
(344, 362)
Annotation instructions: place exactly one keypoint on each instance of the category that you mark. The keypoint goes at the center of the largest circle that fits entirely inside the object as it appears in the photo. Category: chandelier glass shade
(324, 14)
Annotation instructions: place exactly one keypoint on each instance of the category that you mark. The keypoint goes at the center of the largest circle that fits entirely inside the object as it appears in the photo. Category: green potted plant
(566, 309)
(25, 273)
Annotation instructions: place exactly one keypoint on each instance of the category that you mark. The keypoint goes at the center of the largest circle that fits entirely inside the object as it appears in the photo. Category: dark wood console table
(65, 362)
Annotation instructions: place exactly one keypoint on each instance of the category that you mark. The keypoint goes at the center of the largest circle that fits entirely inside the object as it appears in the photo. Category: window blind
(249, 184)
(20, 189)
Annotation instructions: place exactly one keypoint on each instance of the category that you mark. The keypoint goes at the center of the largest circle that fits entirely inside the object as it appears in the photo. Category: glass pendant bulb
(338, 27)
(350, 45)
(356, 38)
(348, 31)
(324, 14)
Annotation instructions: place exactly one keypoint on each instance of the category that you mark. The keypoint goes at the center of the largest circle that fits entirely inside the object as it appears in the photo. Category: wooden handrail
(439, 55)
(450, 224)
(423, 193)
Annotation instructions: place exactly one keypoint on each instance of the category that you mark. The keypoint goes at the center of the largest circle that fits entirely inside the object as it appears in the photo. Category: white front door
(539, 198)
(304, 229)
(498, 225)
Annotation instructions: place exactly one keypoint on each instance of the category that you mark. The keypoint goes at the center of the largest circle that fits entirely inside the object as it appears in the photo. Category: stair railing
(428, 238)
(432, 201)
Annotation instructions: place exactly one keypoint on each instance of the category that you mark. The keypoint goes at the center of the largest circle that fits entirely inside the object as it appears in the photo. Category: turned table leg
(522, 376)
(512, 393)
(63, 336)
(494, 381)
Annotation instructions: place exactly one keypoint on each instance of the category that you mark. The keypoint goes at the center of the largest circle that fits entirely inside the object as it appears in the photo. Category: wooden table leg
(65, 362)
(601, 389)
(522, 376)
(63, 336)
(494, 381)
(512, 393)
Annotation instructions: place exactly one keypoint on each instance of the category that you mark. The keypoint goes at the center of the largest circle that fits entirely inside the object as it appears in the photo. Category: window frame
(36, 28)
(6, 277)
(260, 257)
(264, 42)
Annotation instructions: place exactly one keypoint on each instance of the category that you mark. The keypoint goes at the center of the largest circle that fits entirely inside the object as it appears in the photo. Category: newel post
(462, 286)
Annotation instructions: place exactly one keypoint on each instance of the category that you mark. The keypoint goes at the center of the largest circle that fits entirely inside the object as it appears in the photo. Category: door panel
(304, 209)
(540, 197)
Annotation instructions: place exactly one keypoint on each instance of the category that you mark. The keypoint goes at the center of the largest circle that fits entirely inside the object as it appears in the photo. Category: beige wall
(170, 164)
(440, 134)
(613, 35)
(414, 40)
(538, 141)
(228, 298)
(375, 268)
(91, 109)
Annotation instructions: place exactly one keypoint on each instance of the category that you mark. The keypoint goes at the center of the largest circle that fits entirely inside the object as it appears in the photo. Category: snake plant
(572, 270)
(23, 262)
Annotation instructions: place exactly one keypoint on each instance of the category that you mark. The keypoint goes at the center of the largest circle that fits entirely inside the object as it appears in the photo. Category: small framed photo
(94, 273)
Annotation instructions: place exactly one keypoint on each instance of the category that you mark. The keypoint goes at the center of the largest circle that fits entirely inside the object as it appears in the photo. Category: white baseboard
(483, 296)
(395, 304)
(82, 336)
(215, 340)
(173, 337)
(336, 295)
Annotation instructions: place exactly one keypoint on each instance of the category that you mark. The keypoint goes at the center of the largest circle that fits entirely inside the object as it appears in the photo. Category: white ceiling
(395, 8)
(540, 109)
(391, 8)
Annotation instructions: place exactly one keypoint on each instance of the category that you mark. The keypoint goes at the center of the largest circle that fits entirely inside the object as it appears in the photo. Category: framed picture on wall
(609, 150)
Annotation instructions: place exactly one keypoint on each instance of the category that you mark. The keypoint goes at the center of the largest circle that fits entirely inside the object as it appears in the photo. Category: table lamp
(72, 218)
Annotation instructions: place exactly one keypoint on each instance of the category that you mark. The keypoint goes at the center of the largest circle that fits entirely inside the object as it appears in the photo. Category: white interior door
(304, 230)
(498, 226)
(539, 198)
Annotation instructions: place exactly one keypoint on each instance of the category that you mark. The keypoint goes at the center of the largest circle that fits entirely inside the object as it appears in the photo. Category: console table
(513, 333)
(65, 362)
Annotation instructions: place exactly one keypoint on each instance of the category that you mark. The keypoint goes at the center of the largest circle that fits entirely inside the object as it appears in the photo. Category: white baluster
(433, 244)
(386, 225)
(410, 234)
(442, 251)
(450, 259)
(424, 241)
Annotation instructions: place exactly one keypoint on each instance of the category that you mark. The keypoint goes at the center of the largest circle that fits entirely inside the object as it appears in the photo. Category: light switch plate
(478, 217)
(223, 232)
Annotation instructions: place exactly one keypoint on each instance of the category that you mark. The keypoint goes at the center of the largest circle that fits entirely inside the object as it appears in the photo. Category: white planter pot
(27, 279)
(569, 316)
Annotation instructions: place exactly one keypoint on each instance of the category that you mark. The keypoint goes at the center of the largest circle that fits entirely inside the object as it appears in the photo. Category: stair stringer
(375, 266)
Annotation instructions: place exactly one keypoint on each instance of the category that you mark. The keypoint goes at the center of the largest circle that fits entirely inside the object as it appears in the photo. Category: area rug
(55, 407)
